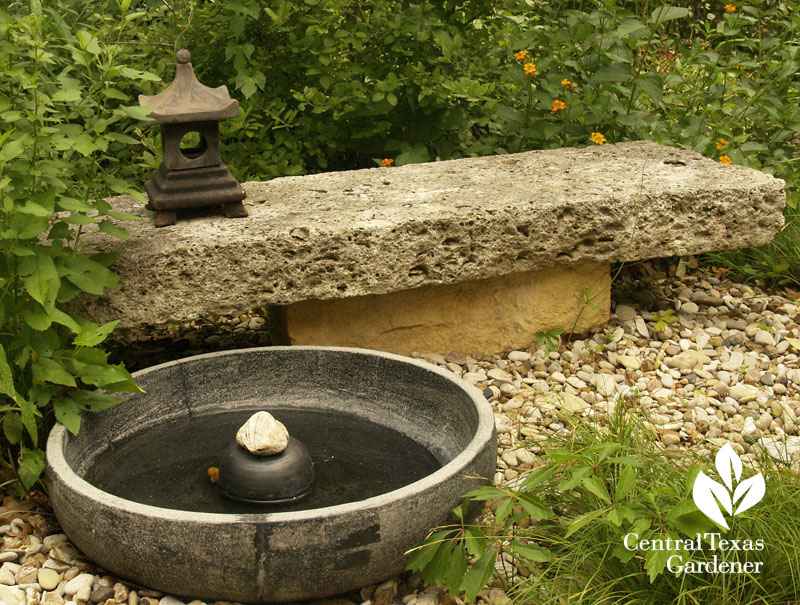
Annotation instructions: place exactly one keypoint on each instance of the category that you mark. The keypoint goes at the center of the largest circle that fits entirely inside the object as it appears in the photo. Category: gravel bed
(723, 366)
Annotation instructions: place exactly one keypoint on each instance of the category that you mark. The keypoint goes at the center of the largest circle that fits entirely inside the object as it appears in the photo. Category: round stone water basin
(395, 443)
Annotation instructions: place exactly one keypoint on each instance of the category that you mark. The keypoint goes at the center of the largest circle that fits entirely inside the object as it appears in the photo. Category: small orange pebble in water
(213, 474)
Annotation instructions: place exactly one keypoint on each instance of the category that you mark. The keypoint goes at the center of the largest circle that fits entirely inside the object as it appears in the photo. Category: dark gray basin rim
(279, 556)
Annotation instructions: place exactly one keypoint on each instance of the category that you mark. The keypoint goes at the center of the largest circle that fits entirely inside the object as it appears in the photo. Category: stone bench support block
(477, 317)
(387, 231)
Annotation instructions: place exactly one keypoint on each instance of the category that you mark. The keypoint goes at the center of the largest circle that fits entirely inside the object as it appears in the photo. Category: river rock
(263, 435)
(687, 360)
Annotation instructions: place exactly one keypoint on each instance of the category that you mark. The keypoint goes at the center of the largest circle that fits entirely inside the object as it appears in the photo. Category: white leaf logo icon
(709, 495)
(752, 489)
(703, 492)
(728, 461)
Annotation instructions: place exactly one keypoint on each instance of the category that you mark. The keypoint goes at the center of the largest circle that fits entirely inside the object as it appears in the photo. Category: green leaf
(136, 74)
(622, 553)
(62, 318)
(43, 282)
(13, 149)
(655, 562)
(68, 414)
(49, 370)
(626, 482)
(632, 29)
(70, 203)
(12, 427)
(667, 13)
(95, 401)
(36, 317)
(474, 541)
(616, 72)
(531, 552)
(112, 229)
(84, 144)
(88, 42)
(484, 493)
(6, 378)
(653, 86)
(478, 575)
(533, 506)
(110, 377)
(28, 417)
(34, 209)
(456, 569)
(30, 467)
(420, 556)
(92, 334)
(503, 510)
(27, 225)
(578, 474)
(584, 519)
(597, 487)
(88, 275)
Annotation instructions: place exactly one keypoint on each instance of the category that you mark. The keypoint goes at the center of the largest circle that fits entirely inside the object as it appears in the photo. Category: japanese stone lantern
(191, 176)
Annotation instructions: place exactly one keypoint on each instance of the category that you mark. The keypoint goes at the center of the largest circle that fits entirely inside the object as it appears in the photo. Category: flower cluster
(597, 138)
(567, 84)
(722, 144)
(558, 105)
(730, 8)
(522, 55)
(530, 68)
(724, 159)
(387, 162)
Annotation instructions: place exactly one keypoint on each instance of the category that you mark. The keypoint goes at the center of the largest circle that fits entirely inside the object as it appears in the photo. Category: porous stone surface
(487, 315)
(381, 230)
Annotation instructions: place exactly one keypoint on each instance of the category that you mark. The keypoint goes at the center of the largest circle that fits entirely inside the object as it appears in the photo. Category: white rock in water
(263, 435)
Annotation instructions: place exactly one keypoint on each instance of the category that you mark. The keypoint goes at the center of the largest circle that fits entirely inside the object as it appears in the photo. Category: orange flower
(530, 68)
(558, 105)
(565, 83)
(730, 8)
(387, 162)
(522, 55)
(213, 474)
(574, 85)
(724, 159)
(597, 138)
(722, 144)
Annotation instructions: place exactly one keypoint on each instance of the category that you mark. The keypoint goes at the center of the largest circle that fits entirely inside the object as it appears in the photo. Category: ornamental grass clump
(609, 517)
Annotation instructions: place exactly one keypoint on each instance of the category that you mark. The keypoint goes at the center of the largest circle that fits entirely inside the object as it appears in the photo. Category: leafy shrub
(564, 524)
(59, 109)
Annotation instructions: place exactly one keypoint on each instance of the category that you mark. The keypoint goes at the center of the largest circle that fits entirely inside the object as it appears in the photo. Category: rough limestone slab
(345, 234)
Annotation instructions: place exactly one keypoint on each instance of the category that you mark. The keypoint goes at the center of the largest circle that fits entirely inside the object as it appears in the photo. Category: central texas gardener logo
(734, 497)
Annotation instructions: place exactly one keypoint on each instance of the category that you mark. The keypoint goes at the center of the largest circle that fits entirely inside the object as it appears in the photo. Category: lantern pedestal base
(171, 190)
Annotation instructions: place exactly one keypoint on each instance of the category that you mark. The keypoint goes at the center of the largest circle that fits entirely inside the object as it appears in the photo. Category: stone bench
(474, 254)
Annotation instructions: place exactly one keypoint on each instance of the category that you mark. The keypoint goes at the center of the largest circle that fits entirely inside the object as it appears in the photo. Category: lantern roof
(187, 100)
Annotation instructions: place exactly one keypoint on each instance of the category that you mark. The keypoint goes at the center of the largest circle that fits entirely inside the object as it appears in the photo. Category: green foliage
(60, 107)
(663, 318)
(564, 525)
(549, 340)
